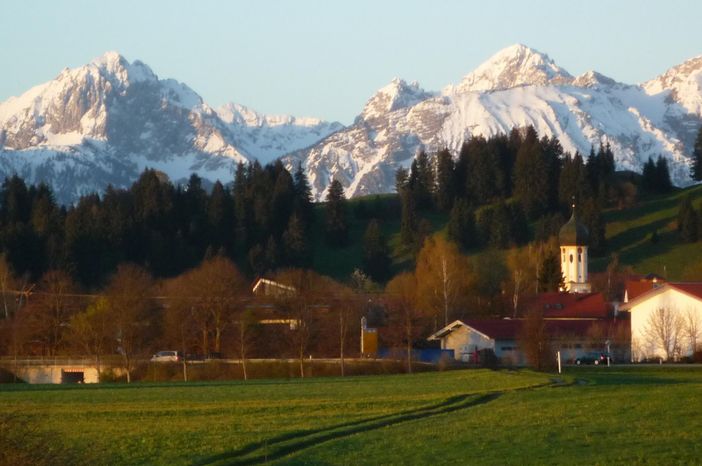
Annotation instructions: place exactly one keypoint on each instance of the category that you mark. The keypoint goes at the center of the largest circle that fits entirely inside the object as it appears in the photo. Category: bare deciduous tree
(130, 311)
(663, 330)
(535, 342)
(401, 298)
(51, 308)
(210, 293)
(89, 330)
(246, 325)
(692, 328)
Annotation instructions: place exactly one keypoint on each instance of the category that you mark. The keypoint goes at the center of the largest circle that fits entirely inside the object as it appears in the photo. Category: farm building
(574, 338)
(666, 319)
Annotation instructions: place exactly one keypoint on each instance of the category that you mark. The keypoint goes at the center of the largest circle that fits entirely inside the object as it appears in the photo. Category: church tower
(573, 239)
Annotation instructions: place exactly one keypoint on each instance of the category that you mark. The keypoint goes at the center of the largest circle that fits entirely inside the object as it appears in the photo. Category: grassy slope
(628, 233)
(622, 415)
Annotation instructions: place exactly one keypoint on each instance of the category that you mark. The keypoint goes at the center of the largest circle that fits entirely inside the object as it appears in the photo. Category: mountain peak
(393, 96)
(593, 78)
(516, 65)
(683, 83)
(113, 63)
(110, 59)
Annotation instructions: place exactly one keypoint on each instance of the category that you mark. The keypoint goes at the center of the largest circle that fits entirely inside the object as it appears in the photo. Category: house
(574, 338)
(666, 320)
(576, 320)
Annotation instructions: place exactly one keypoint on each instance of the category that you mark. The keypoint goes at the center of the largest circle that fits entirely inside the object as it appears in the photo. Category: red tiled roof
(509, 329)
(637, 287)
(691, 288)
(568, 305)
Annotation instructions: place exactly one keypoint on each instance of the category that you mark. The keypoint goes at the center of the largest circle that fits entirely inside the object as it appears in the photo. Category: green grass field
(600, 415)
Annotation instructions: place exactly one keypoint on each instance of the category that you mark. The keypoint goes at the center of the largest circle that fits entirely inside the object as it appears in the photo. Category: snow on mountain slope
(104, 122)
(684, 84)
(267, 137)
(517, 87)
(517, 65)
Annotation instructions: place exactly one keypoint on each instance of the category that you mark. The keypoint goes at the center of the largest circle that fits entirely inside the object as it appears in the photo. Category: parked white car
(166, 356)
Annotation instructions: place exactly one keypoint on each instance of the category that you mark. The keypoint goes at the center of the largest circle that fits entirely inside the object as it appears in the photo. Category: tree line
(497, 186)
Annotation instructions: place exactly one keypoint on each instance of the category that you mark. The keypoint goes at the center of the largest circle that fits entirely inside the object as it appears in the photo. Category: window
(571, 258)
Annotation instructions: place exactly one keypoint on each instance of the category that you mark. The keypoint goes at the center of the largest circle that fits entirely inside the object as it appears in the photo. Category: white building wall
(574, 266)
(39, 374)
(464, 341)
(642, 345)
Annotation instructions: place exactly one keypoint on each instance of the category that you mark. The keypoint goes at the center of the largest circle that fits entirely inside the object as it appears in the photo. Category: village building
(666, 319)
(578, 323)
(573, 239)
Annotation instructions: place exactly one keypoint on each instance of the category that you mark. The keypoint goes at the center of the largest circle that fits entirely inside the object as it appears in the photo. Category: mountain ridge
(518, 87)
(104, 122)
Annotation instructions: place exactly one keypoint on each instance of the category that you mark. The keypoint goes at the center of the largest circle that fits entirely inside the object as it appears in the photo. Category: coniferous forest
(498, 192)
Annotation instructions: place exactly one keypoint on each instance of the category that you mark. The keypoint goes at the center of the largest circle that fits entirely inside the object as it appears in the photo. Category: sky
(326, 58)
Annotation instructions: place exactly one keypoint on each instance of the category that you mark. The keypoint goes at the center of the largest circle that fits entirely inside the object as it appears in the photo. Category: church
(578, 322)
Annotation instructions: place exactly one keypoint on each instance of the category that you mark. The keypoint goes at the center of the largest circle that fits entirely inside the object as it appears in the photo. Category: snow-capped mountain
(104, 122)
(516, 87)
(268, 137)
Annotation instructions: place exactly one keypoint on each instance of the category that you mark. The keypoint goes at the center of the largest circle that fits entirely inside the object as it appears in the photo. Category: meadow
(590, 415)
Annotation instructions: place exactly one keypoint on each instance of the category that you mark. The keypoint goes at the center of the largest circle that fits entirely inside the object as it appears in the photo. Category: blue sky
(326, 58)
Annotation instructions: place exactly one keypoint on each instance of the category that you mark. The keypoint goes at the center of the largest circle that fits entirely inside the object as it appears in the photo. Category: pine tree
(271, 255)
(337, 229)
(519, 226)
(649, 176)
(408, 219)
(482, 171)
(696, 168)
(500, 226)
(687, 220)
(376, 257)
(445, 191)
(530, 178)
(421, 181)
(242, 205)
(297, 249)
(220, 217)
(461, 225)
(663, 183)
(282, 202)
(303, 196)
(550, 276)
(552, 153)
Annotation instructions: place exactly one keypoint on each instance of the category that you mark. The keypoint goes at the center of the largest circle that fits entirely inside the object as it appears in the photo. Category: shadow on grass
(640, 234)
(294, 442)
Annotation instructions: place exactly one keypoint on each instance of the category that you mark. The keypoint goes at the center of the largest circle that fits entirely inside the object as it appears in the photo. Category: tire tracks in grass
(295, 442)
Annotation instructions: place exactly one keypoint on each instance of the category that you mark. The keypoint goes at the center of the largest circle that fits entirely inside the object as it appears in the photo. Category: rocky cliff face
(104, 122)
